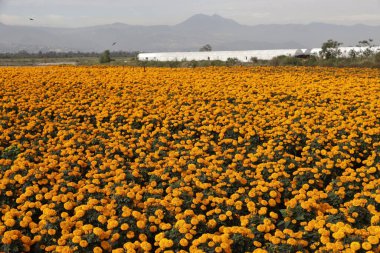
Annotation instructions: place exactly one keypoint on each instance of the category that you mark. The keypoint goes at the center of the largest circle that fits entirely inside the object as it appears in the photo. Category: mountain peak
(208, 20)
(118, 24)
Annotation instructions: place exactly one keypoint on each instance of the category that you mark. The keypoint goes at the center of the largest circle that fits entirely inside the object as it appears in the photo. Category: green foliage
(105, 57)
(206, 48)
(377, 59)
(254, 60)
(365, 43)
(232, 62)
(330, 49)
(353, 54)
(367, 53)
(10, 152)
(193, 64)
(217, 63)
(285, 61)
(174, 64)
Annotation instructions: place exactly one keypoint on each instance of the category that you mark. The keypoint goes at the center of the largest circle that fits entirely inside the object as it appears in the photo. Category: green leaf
(283, 212)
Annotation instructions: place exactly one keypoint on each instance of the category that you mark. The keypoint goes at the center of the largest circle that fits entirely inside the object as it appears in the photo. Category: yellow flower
(130, 234)
(261, 228)
(273, 215)
(273, 194)
(97, 250)
(165, 243)
(366, 246)
(102, 219)
(6, 240)
(373, 239)
(76, 239)
(124, 226)
(140, 224)
(211, 223)
(146, 246)
(183, 242)
(79, 213)
(275, 240)
(10, 222)
(292, 241)
(222, 217)
(98, 231)
(218, 249)
(68, 205)
(112, 224)
(105, 245)
(51, 231)
(339, 235)
(355, 246)
(83, 243)
(262, 211)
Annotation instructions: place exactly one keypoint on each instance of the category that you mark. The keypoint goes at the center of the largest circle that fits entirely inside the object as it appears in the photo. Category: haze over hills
(190, 35)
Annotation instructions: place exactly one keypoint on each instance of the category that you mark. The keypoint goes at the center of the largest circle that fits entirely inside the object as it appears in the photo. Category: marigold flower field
(115, 159)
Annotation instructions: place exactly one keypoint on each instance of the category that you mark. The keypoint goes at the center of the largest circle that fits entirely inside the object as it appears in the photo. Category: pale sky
(77, 13)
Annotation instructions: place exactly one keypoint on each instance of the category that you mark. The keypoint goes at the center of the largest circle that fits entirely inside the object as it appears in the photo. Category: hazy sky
(72, 13)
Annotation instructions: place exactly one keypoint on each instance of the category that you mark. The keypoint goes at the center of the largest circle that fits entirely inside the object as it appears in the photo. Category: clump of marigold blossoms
(116, 159)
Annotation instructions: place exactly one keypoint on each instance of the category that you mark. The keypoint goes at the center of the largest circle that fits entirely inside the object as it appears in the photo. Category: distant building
(246, 56)
(243, 56)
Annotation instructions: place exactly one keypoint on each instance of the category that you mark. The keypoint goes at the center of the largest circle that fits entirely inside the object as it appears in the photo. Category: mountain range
(221, 33)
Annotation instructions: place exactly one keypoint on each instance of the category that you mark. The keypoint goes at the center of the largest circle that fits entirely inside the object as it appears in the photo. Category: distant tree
(353, 54)
(254, 60)
(193, 64)
(206, 48)
(105, 57)
(368, 52)
(365, 43)
(330, 49)
(174, 64)
(232, 62)
(23, 54)
(143, 64)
